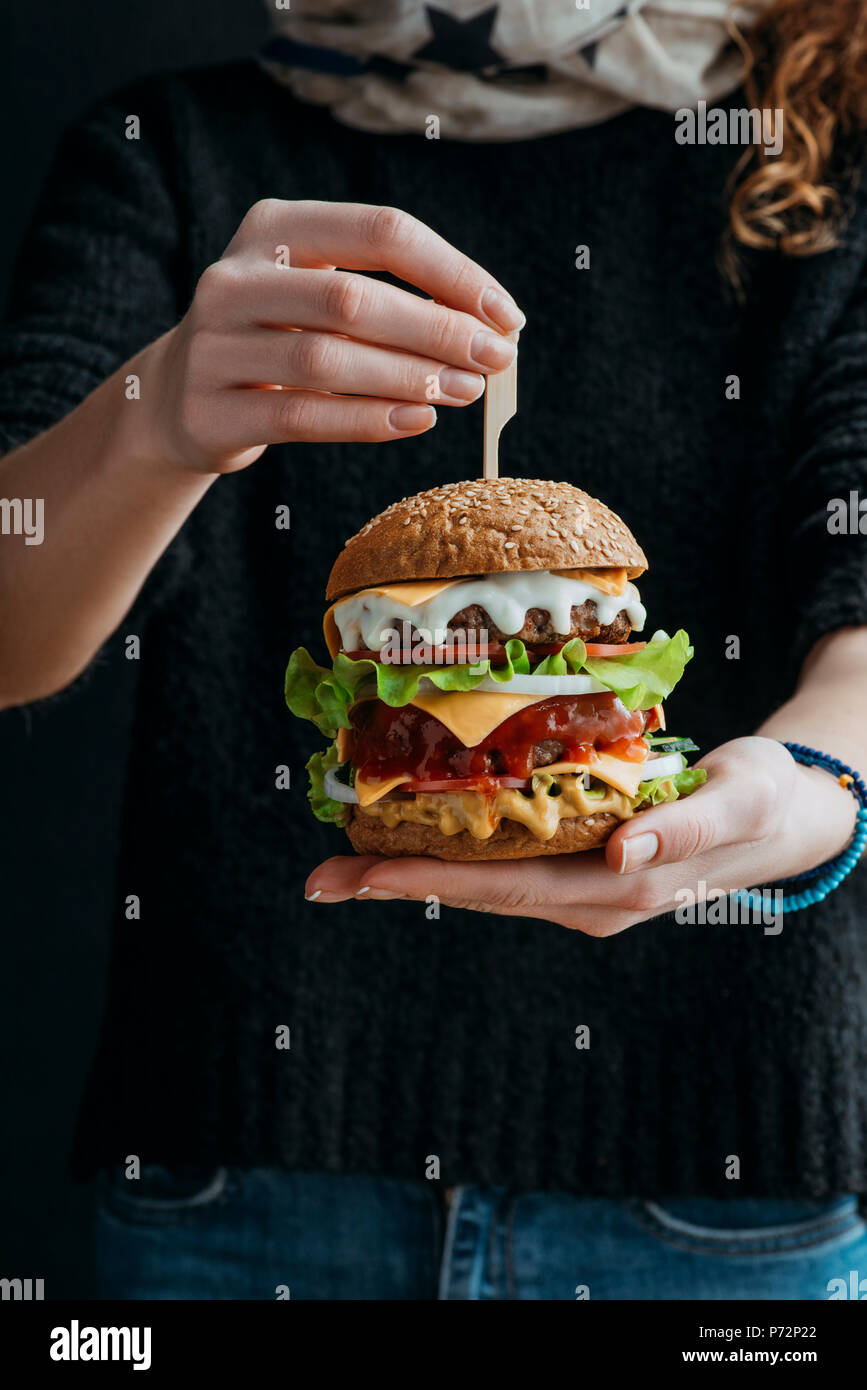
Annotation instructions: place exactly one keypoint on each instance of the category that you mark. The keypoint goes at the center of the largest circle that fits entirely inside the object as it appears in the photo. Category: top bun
(485, 527)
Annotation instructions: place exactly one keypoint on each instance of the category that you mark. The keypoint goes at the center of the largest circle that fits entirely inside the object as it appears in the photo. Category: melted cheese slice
(368, 792)
(331, 632)
(608, 581)
(623, 776)
(411, 594)
(415, 591)
(472, 714)
(617, 772)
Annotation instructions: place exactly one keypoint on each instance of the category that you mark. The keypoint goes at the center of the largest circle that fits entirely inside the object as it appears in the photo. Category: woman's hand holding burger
(346, 357)
(759, 818)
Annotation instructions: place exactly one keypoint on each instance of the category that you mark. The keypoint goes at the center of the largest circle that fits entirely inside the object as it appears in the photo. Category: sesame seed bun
(510, 840)
(486, 526)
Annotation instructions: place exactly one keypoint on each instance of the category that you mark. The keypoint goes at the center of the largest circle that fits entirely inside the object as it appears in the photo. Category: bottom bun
(510, 840)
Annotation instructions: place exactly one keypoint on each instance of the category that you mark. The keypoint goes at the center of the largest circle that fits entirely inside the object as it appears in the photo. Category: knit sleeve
(826, 499)
(96, 278)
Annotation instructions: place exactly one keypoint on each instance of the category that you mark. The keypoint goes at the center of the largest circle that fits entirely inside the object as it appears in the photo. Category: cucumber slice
(662, 744)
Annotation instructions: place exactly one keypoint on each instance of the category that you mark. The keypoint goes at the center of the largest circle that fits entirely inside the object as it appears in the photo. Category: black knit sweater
(456, 1037)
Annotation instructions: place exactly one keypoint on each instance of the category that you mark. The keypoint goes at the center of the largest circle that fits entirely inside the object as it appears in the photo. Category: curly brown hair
(809, 59)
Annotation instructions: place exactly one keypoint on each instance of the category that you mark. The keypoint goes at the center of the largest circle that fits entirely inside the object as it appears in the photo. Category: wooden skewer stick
(501, 403)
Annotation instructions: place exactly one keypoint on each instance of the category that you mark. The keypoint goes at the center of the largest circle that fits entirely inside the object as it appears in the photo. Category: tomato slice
(466, 784)
(493, 652)
(631, 750)
(614, 648)
(496, 651)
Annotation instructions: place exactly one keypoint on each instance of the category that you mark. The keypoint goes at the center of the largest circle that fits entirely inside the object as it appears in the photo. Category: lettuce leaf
(670, 788)
(398, 685)
(324, 697)
(569, 661)
(645, 678)
(641, 680)
(315, 693)
(325, 808)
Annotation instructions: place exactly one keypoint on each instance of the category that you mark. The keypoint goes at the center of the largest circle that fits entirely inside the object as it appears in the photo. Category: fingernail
(382, 895)
(638, 850)
(412, 417)
(491, 351)
(461, 386)
(311, 897)
(320, 897)
(502, 311)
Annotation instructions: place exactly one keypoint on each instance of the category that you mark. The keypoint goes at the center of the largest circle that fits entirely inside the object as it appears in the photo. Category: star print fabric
(508, 71)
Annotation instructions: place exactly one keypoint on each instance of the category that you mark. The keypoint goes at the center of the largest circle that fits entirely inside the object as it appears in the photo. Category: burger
(485, 699)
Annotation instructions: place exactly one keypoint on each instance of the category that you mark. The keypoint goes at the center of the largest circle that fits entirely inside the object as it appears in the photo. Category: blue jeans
(267, 1234)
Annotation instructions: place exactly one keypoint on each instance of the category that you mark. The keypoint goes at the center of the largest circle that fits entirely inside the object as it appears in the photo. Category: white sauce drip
(364, 620)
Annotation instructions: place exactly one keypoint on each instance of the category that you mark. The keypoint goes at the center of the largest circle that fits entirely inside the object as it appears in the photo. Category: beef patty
(539, 628)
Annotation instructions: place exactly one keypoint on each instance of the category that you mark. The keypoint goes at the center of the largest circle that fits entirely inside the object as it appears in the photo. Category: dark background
(62, 763)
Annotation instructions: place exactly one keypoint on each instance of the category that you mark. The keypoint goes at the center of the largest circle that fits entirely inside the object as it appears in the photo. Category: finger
(370, 311)
(535, 888)
(497, 885)
(724, 811)
(382, 879)
(576, 890)
(523, 887)
(324, 362)
(240, 419)
(366, 237)
(338, 878)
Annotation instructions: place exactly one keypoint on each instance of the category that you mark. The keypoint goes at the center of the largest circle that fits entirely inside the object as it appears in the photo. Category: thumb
(734, 805)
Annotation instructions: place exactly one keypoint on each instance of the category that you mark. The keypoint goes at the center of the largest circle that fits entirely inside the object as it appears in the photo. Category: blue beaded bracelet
(829, 875)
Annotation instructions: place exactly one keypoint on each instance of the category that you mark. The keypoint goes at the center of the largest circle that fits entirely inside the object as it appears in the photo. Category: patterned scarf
(506, 71)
